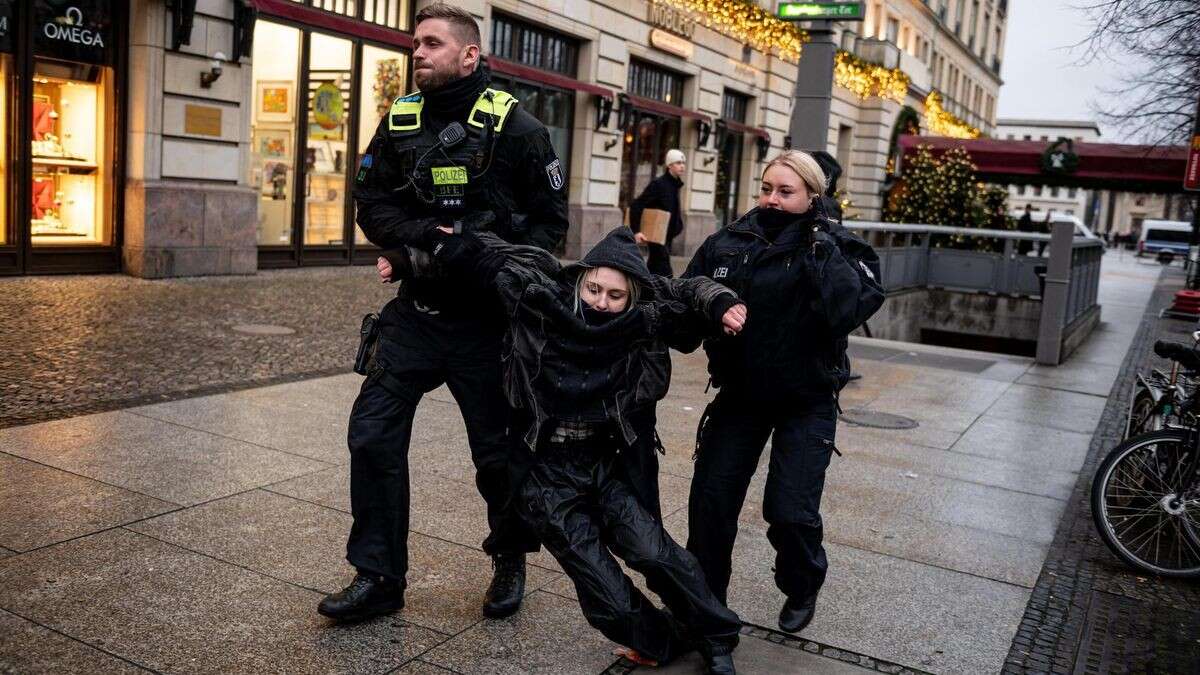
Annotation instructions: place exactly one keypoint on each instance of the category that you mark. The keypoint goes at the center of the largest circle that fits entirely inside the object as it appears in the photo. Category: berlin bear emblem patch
(554, 173)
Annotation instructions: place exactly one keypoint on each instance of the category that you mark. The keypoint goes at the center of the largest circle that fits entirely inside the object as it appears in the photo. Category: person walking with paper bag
(655, 216)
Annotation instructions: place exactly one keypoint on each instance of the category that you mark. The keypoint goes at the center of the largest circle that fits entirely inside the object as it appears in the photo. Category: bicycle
(1156, 401)
(1146, 493)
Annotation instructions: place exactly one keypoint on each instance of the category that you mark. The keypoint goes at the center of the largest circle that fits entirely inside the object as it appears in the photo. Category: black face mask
(594, 317)
(775, 219)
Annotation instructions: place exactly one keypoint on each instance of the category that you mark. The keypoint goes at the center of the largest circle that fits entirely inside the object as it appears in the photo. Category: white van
(1164, 235)
(1039, 222)
(1081, 230)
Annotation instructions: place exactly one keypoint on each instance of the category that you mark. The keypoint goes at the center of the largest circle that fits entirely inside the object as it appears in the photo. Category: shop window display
(272, 167)
(72, 153)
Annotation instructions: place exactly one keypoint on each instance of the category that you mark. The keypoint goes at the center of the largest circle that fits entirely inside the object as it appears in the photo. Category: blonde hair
(803, 165)
(635, 289)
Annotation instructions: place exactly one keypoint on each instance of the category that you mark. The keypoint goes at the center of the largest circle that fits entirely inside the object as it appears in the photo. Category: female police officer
(807, 283)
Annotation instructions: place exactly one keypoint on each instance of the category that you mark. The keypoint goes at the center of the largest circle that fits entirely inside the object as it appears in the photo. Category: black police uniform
(440, 329)
(807, 282)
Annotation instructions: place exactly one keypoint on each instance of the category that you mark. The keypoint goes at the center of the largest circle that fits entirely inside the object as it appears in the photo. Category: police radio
(452, 135)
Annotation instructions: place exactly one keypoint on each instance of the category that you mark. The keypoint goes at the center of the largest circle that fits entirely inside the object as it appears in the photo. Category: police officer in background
(456, 156)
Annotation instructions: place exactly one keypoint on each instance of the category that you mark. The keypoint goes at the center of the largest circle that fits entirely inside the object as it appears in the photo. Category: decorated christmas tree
(946, 190)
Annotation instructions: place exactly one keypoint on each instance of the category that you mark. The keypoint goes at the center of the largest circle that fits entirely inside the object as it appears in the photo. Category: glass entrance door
(726, 204)
(318, 99)
(326, 207)
(647, 139)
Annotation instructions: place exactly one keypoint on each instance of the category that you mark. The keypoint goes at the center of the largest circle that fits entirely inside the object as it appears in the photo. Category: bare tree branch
(1156, 103)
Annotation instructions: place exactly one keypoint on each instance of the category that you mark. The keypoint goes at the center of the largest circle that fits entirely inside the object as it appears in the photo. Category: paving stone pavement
(80, 344)
(1089, 613)
(177, 532)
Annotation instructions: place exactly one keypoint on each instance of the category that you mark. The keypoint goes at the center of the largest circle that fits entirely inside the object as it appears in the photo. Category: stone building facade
(223, 140)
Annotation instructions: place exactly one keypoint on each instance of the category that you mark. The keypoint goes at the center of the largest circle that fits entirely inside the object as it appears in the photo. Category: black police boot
(507, 589)
(367, 596)
(718, 659)
(796, 615)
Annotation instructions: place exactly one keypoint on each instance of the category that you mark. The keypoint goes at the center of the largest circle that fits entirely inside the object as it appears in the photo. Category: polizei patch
(554, 173)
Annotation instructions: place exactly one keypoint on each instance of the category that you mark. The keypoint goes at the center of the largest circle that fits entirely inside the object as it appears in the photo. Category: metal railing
(1066, 281)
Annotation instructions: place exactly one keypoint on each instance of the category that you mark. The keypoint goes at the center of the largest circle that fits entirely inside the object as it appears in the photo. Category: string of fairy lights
(942, 122)
(866, 79)
(746, 22)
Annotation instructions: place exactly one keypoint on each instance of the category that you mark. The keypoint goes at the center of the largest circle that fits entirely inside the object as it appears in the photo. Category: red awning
(343, 24)
(650, 105)
(744, 129)
(1102, 166)
(532, 74)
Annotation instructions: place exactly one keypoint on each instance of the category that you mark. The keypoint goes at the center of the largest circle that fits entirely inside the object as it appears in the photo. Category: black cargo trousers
(577, 499)
(417, 353)
(730, 442)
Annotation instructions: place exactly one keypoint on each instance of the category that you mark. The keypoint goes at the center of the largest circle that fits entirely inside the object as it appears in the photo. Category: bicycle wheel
(1143, 415)
(1145, 510)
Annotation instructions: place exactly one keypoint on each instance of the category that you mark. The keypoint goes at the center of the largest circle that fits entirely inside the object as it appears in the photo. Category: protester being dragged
(807, 283)
(587, 349)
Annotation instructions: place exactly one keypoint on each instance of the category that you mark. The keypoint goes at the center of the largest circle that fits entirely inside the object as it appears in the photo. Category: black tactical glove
(453, 252)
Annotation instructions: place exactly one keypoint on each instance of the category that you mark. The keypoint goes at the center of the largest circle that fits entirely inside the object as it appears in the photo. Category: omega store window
(324, 74)
(59, 94)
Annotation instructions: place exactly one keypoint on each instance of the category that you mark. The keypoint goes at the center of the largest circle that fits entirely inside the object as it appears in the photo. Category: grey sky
(1041, 78)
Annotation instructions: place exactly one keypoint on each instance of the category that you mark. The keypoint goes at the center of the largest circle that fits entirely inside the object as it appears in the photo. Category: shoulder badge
(554, 174)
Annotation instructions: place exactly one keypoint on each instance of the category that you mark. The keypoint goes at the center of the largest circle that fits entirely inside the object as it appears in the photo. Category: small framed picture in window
(274, 101)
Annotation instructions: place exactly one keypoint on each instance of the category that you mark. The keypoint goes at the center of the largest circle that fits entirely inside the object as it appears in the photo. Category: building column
(188, 209)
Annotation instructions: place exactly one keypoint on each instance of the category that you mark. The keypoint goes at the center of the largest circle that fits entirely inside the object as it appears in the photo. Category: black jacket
(662, 193)
(805, 292)
(559, 367)
(526, 195)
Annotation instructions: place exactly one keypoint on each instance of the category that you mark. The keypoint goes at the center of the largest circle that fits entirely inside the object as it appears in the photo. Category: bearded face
(440, 55)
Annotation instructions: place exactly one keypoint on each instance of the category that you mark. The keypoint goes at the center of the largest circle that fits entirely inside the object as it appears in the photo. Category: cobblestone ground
(84, 344)
(1088, 612)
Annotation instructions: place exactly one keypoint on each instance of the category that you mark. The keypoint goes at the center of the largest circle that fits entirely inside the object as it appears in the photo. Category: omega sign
(70, 28)
(74, 30)
(669, 19)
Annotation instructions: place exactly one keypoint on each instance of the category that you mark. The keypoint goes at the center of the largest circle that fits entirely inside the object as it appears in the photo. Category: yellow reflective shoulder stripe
(500, 106)
(405, 114)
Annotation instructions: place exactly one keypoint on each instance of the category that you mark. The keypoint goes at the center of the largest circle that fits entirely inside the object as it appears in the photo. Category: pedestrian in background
(1025, 224)
(663, 194)
(807, 283)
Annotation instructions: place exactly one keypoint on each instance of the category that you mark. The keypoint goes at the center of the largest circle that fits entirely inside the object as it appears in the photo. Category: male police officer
(456, 156)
